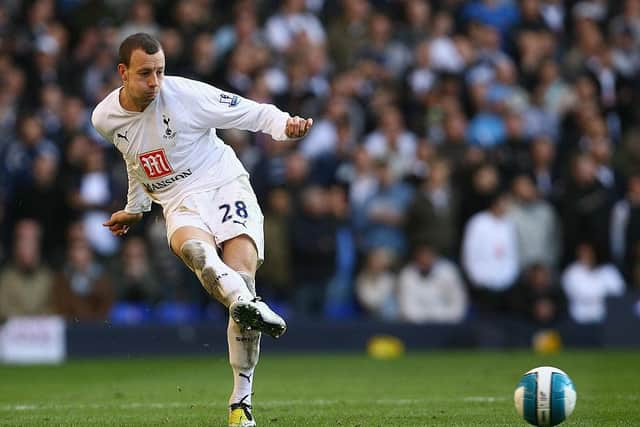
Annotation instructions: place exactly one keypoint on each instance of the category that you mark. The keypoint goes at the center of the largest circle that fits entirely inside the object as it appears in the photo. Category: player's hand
(297, 127)
(120, 222)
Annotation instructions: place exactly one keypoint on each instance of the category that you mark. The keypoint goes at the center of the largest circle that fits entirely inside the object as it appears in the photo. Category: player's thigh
(186, 222)
(237, 224)
(184, 233)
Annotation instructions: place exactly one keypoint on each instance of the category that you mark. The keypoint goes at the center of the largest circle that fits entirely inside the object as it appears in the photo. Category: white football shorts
(226, 212)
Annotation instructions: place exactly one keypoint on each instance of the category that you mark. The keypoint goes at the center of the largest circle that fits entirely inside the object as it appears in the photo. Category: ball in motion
(545, 396)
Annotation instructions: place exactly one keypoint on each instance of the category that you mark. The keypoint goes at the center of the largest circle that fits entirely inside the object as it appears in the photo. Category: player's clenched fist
(120, 222)
(297, 127)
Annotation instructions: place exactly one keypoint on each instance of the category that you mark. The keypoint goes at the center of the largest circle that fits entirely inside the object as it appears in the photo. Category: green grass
(419, 389)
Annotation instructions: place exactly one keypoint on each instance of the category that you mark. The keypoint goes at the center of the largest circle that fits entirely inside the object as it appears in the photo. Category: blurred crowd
(467, 157)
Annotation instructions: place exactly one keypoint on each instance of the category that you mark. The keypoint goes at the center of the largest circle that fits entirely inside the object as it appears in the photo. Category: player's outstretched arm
(120, 222)
(297, 127)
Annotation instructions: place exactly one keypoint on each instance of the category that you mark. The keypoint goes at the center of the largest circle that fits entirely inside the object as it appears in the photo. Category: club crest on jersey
(232, 101)
(155, 164)
(168, 132)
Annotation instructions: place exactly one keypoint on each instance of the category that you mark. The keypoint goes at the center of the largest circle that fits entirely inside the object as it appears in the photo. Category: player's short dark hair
(144, 41)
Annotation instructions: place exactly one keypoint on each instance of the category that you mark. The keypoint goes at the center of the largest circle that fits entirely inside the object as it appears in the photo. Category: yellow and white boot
(240, 415)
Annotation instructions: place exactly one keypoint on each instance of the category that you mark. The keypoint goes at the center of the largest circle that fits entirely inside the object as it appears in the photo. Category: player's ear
(122, 70)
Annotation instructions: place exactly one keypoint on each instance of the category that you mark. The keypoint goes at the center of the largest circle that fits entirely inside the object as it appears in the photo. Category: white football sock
(223, 283)
(244, 351)
(249, 281)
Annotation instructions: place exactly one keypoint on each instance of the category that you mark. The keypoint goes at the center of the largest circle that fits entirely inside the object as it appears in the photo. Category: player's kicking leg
(198, 251)
(232, 283)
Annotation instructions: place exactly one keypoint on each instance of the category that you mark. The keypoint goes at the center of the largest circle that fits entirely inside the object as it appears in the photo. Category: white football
(545, 396)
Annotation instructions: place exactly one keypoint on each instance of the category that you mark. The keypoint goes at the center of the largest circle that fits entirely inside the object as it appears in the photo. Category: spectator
(431, 290)
(51, 100)
(92, 198)
(83, 290)
(598, 146)
(532, 36)
(339, 301)
(314, 250)
(134, 276)
(542, 166)
(556, 93)
(588, 282)
(293, 27)
(26, 284)
(490, 254)
(625, 228)
(628, 20)
(140, 20)
(243, 30)
(392, 141)
(191, 18)
(376, 285)
(203, 65)
(275, 276)
(347, 33)
(323, 137)
(478, 194)
(98, 74)
(538, 296)
(432, 215)
(417, 16)
(241, 64)
(624, 55)
(337, 166)
(11, 96)
(421, 79)
(387, 57)
(585, 208)
(17, 161)
(173, 47)
(537, 225)
(499, 14)
(453, 147)
(385, 212)
(44, 190)
(447, 54)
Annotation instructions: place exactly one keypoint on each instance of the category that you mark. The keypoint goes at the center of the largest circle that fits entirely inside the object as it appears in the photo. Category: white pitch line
(266, 403)
(483, 399)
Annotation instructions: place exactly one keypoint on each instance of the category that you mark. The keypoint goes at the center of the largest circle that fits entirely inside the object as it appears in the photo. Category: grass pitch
(419, 389)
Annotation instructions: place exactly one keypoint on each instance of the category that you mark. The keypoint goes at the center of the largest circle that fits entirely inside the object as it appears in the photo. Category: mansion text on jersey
(167, 182)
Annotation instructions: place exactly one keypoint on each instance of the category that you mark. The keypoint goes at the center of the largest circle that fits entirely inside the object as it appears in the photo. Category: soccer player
(164, 126)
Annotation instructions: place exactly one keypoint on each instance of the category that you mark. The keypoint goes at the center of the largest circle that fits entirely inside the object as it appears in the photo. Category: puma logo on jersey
(119, 135)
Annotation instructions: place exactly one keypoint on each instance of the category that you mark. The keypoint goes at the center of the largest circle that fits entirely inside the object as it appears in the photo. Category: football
(545, 396)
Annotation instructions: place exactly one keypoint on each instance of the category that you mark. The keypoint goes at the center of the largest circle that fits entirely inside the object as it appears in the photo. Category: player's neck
(128, 103)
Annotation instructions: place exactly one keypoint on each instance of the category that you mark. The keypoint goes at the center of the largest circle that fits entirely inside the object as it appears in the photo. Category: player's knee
(194, 254)
(200, 256)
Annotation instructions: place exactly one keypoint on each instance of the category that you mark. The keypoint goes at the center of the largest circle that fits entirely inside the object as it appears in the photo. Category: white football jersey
(171, 148)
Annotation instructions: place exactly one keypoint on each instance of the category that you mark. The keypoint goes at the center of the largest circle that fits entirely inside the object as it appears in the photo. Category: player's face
(142, 79)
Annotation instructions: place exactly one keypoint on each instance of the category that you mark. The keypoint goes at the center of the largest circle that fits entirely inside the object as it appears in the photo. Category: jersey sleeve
(97, 119)
(138, 200)
(212, 108)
